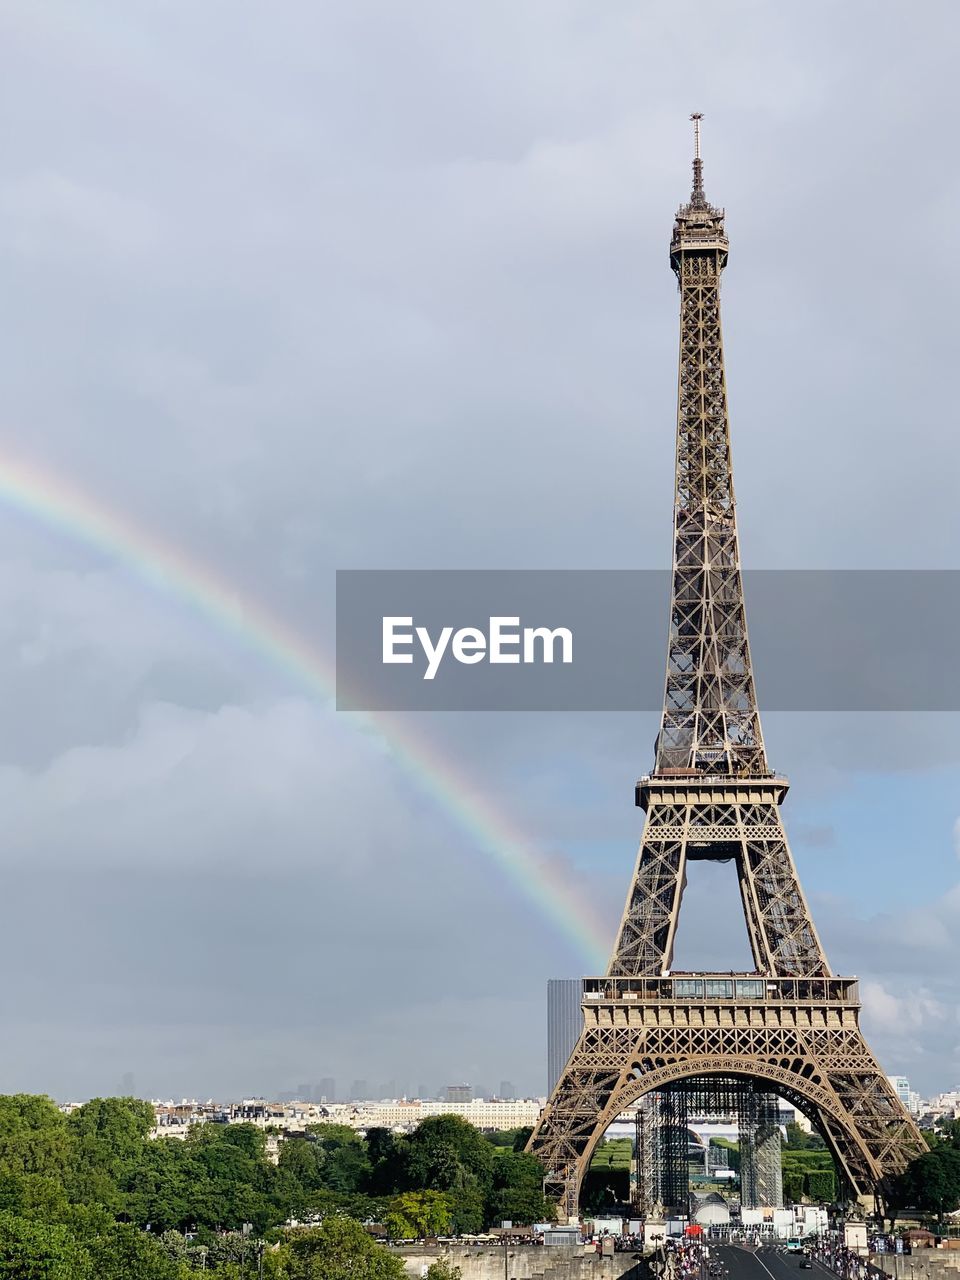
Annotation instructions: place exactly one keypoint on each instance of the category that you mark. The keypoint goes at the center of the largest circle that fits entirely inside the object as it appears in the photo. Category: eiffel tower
(791, 1027)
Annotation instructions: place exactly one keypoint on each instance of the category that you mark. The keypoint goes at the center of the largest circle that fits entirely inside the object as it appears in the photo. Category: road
(765, 1264)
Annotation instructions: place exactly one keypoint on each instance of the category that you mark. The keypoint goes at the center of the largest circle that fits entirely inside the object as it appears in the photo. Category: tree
(413, 1215)
(88, 1220)
(226, 1249)
(381, 1144)
(443, 1269)
(126, 1253)
(821, 1186)
(799, 1140)
(108, 1137)
(346, 1168)
(522, 1206)
(342, 1157)
(40, 1251)
(332, 1134)
(467, 1210)
(512, 1139)
(166, 1186)
(517, 1190)
(521, 1137)
(810, 1171)
(175, 1245)
(932, 1182)
(950, 1132)
(792, 1186)
(247, 1138)
(31, 1195)
(33, 1136)
(339, 1249)
(325, 1204)
(233, 1178)
(447, 1153)
(388, 1154)
(608, 1179)
(298, 1178)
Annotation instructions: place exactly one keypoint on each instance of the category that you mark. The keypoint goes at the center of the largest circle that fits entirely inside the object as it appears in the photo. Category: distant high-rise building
(127, 1085)
(507, 1090)
(901, 1087)
(359, 1091)
(327, 1090)
(909, 1098)
(564, 1024)
(459, 1093)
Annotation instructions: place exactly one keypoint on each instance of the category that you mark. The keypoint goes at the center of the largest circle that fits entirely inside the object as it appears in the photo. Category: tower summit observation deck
(698, 223)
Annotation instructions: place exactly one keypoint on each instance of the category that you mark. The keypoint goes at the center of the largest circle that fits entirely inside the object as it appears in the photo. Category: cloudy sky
(302, 287)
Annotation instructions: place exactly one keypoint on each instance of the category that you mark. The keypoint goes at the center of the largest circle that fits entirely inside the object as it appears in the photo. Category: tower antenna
(697, 198)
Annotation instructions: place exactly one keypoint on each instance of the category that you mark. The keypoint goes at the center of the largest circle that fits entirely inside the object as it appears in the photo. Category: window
(722, 987)
(750, 988)
(687, 987)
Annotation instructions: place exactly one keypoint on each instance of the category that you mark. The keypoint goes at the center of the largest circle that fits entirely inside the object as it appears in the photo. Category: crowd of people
(507, 1239)
(888, 1244)
(629, 1242)
(687, 1260)
(844, 1262)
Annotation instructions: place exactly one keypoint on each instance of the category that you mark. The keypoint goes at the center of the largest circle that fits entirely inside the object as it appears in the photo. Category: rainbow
(80, 517)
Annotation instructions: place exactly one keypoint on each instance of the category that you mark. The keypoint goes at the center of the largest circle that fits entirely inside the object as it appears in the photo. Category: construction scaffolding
(663, 1141)
(761, 1172)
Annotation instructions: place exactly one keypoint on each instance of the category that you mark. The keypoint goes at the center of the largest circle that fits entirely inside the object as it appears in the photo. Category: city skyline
(948, 1098)
(362, 291)
(319, 1092)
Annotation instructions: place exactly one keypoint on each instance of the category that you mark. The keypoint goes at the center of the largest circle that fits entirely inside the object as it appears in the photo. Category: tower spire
(710, 718)
(697, 198)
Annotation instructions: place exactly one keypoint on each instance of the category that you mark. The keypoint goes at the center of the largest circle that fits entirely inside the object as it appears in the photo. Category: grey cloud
(908, 959)
(238, 872)
(366, 286)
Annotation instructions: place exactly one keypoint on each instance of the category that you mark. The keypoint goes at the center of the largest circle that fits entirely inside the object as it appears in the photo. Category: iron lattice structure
(790, 1026)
